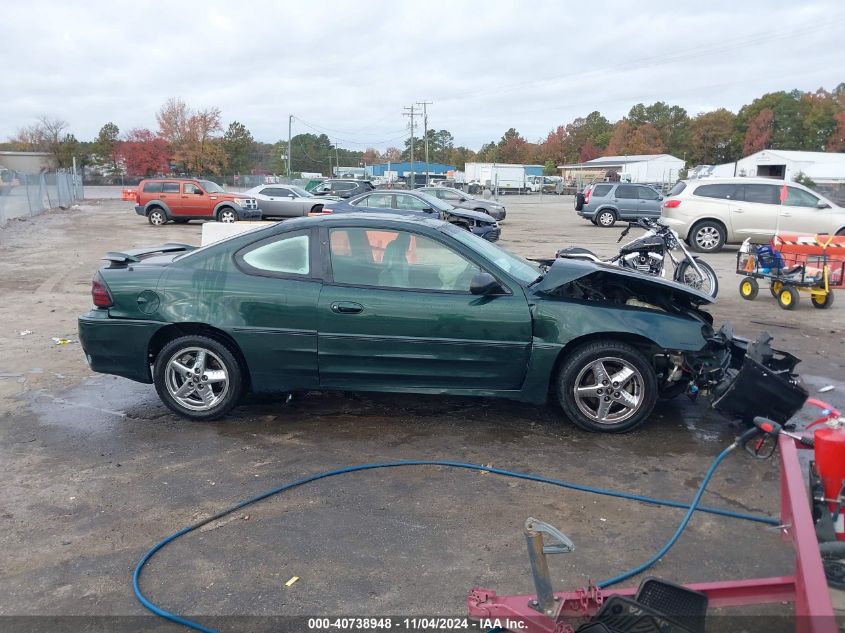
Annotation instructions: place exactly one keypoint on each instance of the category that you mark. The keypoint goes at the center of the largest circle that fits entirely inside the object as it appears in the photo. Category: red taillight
(671, 204)
(587, 193)
(100, 293)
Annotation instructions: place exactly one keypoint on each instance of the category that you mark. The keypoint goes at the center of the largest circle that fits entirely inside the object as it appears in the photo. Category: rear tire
(707, 237)
(157, 217)
(198, 377)
(824, 303)
(605, 218)
(593, 400)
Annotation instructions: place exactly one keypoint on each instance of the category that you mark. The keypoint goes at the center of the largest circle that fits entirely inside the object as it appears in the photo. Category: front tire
(227, 215)
(605, 218)
(748, 288)
(607, 387)
(198, 377)
(707, 237)
(788, 298)
(688, 276)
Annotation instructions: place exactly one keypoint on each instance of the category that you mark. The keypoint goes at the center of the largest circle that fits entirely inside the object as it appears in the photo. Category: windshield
(517, 267)
(211, 187)
(299, 191)
(436, 203)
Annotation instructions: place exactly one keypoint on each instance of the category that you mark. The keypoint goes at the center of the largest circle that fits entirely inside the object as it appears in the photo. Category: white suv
(711, 212)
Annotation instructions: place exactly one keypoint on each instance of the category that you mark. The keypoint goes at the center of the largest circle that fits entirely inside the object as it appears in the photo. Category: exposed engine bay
(742, 378)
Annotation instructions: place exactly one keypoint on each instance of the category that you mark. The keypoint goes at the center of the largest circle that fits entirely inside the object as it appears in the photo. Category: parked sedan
(381, 302)
(419, 204)
(462, 200)
(287, 201)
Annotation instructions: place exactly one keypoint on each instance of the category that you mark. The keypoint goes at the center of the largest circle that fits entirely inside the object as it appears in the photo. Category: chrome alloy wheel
(196, 378)
(707, 238)
(609, 390)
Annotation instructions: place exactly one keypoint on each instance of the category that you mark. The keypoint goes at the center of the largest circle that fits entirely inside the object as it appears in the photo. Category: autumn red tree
(371, 155)
(588, 152)
(628, 139)
(759, 133)
(143, 153)
(392, 154)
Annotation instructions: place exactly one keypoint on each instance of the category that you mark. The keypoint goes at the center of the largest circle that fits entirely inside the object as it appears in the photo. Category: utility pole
(410, 113)
(336, 159)
(290, 149)
(425, 138)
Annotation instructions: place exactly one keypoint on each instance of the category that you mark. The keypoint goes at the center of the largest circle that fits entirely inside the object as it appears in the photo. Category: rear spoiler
(134, 255)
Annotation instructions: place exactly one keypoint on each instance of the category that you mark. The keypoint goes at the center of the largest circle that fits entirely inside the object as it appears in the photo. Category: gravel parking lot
(94, 469)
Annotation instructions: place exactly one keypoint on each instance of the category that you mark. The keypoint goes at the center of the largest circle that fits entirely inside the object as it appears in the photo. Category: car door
(193, 200)
(627, 200)
(270, 201)
(171, 195)
(288, 203)
(649, 203)
(754, 212)
(800, 213)
(396, 314)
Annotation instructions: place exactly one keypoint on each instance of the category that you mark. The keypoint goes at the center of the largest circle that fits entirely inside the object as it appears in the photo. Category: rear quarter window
(152, 187)
(678, 188)
(600, 191)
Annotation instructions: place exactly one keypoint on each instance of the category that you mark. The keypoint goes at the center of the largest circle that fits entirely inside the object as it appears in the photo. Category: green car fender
(561, 325)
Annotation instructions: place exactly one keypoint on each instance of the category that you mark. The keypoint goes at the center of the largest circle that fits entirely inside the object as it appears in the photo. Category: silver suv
(712, 212)
(605, 202)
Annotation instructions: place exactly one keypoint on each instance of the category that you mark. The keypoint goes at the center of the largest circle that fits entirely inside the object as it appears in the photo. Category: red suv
(183, 200)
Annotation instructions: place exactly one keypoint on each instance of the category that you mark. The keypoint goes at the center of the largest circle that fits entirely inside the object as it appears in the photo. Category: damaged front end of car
(741, 378)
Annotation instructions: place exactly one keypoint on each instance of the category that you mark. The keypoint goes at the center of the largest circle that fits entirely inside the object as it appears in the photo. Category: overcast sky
(348, 68)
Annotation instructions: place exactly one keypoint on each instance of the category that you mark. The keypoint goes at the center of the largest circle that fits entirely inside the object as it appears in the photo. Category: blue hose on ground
(691, 508)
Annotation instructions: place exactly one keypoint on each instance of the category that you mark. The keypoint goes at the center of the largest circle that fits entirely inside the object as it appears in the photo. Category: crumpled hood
(563, 271)
(478, 216)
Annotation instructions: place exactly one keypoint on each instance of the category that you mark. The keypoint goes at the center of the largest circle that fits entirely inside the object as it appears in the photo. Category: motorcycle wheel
(687, 275)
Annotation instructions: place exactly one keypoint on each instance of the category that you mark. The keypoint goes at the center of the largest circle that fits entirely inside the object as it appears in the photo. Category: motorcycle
(648, 253)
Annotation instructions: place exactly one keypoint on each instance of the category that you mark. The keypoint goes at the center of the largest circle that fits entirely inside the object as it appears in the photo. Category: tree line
(194, 141)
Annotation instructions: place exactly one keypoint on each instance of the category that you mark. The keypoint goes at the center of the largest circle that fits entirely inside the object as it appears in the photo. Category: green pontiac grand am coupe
(373, 302)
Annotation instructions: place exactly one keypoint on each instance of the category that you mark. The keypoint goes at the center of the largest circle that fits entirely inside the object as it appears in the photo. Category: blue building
(404, 168)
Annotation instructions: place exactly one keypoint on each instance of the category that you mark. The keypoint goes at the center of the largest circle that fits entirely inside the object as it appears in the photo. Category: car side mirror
(821, 204)
(462, 199)
(198, 192)
(291, 196)
(428, 210)
(484, 283)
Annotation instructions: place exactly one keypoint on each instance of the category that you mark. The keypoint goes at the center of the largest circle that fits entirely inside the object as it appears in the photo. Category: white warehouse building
(823, 167)
(651, 168)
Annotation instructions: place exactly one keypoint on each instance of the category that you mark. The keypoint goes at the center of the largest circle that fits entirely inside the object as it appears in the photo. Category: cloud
(350, 68)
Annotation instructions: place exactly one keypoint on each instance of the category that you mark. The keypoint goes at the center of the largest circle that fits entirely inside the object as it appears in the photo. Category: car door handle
(347, 307)
(738, 211)
(786, 215)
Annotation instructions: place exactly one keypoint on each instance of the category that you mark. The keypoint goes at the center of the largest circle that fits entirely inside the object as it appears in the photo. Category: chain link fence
(26, 195)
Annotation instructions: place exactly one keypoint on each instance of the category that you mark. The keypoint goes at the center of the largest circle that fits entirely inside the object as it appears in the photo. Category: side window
(287, 255)
(799, 198)
(410, 203)
(343, 186)
(626, 192)
(763, 194)
(271, 192)
(723, 192)
(170, 187)
(647, 193)
(284, 193)
(453, 196)
(379, 201)
(191, 188)
(600, 191)
(152, 187)
(397, 259)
